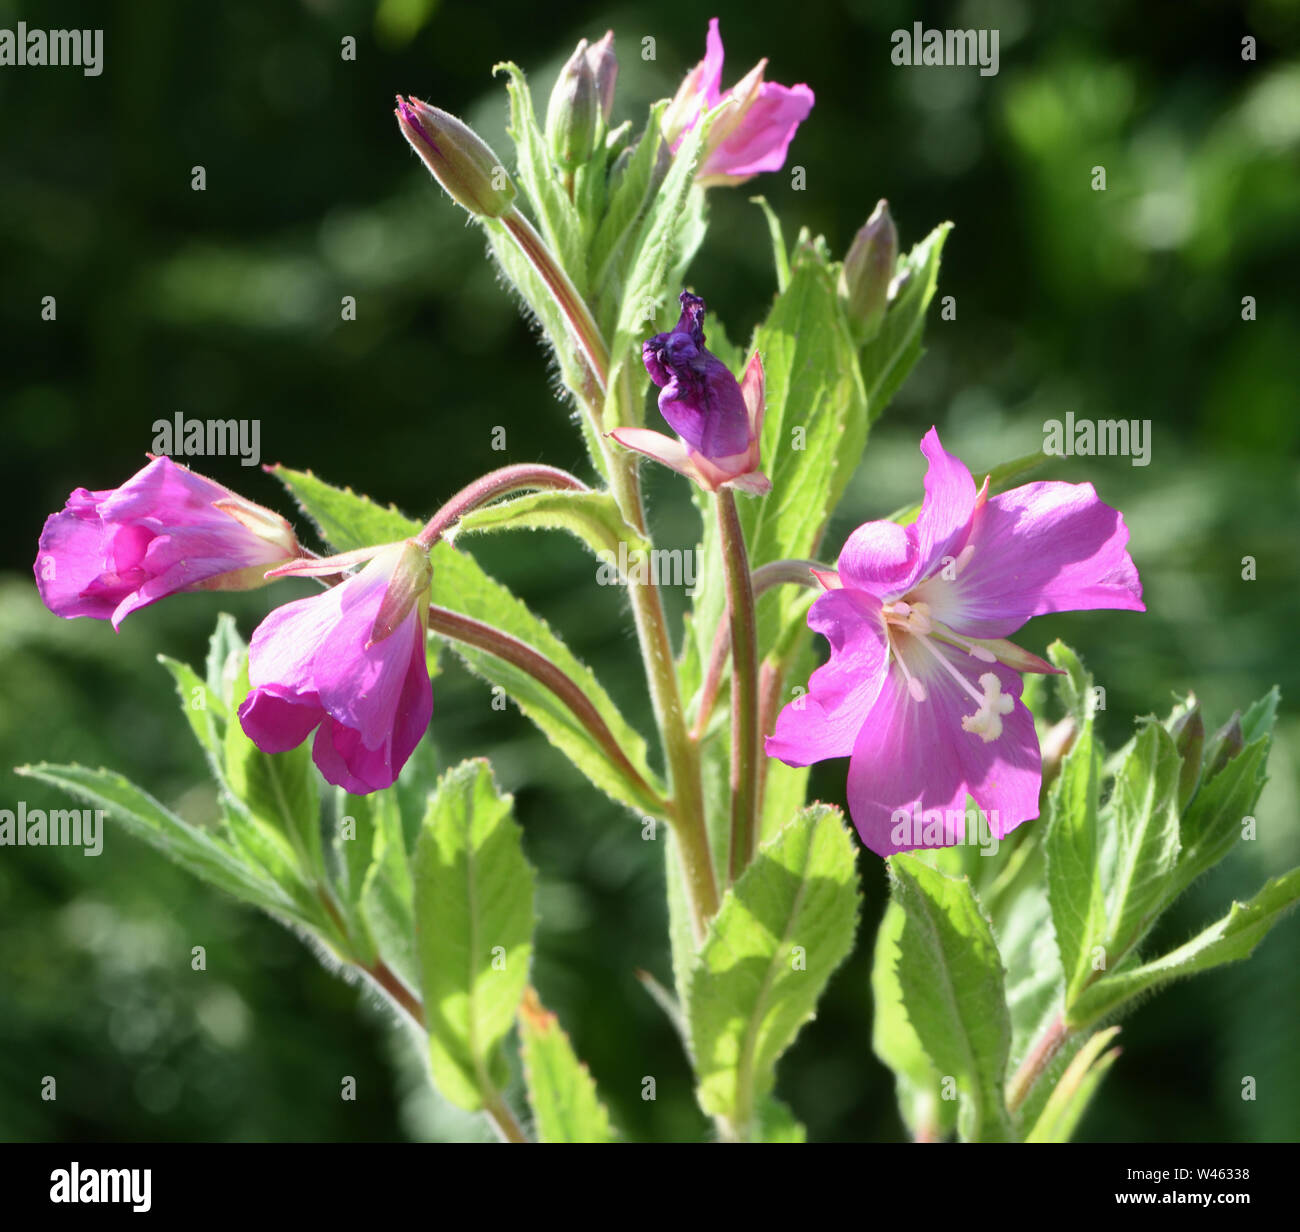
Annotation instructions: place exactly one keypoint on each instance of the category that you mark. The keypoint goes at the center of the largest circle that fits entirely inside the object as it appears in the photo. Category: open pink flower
(349, 664)
(748, 138)
(922, 691)
(165, 530)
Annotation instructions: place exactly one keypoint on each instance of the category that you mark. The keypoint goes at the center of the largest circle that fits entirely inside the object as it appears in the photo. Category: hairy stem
(495, 1107)
(474, 633)
(744, 686)
(1036, 1062)
(680, 752)
(492, 485)
(775, 573)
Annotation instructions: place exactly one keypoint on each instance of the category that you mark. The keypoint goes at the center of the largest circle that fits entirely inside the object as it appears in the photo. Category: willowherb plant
(1008, 950)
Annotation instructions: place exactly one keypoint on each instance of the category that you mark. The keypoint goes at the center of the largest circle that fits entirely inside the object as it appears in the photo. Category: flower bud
(1188, 732)
(868, 269)
(604, 68)
(573, 114)
(1225, 744)
(461, 161)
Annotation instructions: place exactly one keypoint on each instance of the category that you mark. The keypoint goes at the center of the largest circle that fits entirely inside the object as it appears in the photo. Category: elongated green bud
(461, 161)
(868, 269)
(1188, 731)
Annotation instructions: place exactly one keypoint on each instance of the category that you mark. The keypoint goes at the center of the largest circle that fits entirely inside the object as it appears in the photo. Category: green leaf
(561, 226)
(387, 891)
(954, 992)
(653, 253)
(225, 652)
(474, 927)
(780, 258)
(781, 931)
(1229, 940)
(1075, 1089)
(927, 1115)
(195, 850)
(204, 710)
(1212, 823)
(627, 207)
(1074, 885)
(776, 1123)
(593, 517)
(459, 584)
(278, 789)
(346, 521)
(893, 352)
(1143, 812)
(561, 1090)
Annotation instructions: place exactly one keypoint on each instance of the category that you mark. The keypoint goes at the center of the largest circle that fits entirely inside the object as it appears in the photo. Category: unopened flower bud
(461, 161)
(1188, 732)
(868, 270)
(604, 68)
(1225, 744)
(581, 102)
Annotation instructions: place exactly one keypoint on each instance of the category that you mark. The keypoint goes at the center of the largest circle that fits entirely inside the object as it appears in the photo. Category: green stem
(475, 633)
(680, 752)
(1035, 1064)
(492, 485)
(744, 686)
(495, 1107)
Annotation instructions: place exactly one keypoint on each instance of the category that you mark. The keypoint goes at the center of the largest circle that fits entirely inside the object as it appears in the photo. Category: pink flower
(751, 136)
(718, 420)
(349, 664)
(165, 530)
(922, 692)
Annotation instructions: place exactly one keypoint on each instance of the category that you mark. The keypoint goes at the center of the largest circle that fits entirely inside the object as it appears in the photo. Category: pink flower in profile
(718, 420)
(751, 136)
(165, 530)
(922, 691)
(349, 664)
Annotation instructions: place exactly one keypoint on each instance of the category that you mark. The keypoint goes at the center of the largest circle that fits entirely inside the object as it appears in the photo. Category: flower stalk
(489, 487)
(744, 686)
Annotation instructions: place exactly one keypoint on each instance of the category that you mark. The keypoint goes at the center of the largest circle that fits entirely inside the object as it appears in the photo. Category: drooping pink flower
(166, 529)
(718, 420)
(349, 664)
(750, 137)
(922, 691)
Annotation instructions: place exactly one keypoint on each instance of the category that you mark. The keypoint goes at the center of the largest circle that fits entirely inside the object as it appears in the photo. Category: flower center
(910, 618)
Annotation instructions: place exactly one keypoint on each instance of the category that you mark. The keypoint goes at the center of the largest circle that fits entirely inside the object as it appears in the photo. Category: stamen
(953, 672)
(986, 722)
(914, 686)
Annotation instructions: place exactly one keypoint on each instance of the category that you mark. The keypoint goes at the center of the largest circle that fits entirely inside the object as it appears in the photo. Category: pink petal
(710, 80)
(826, 720)
(915, 756)
(762, 139)
(71, 558)
(949, 503)
(1043, 547)
(666, 449)
(276, 724)
(753, 389)
(880, 558)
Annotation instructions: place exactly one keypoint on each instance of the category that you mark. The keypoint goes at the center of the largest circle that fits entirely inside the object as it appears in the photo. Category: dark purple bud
(701, 400)
(1225, 744)
(1188, 731)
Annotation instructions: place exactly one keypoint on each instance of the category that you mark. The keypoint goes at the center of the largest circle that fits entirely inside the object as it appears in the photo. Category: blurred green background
(225, 303)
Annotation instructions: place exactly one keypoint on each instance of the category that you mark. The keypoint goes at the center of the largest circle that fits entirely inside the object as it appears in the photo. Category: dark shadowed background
(226, 303)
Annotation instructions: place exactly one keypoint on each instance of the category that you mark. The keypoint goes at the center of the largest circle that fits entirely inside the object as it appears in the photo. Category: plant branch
(744, 686)
(475, 633)
(1035, 1064)
(492, 485)
(775, 573)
